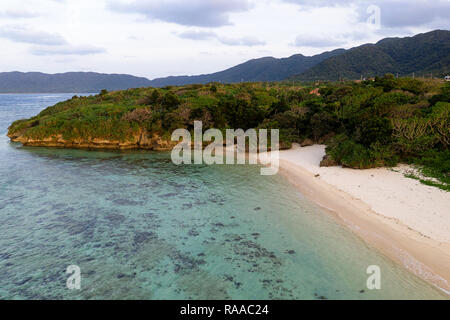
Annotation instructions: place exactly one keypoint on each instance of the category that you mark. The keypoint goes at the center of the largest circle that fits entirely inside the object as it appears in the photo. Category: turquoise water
(140, 227)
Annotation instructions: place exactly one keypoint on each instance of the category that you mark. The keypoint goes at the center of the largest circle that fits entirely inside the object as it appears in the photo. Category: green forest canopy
(364, 124)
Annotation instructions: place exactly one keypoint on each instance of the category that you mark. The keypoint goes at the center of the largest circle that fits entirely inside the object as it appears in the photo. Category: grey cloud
(200, 13)
(394, 13)
(27, 35)
(45, 43)
(18, 14)
(134, 38)
(208, 35)
(244, 41)
(321, 3)
(197, 35)
(66, 50)
(316, 41)
(402, 13)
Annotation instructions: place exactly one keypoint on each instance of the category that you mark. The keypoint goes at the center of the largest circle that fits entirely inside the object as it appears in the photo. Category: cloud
(66, 50)
(208, 35)
(197, 35)
(394, 13)
(18, 14)
(403, 13)
(320, 3)
(317, 41)
(136, 38)
(244, 41)
(45, 43)
(24, 34)
(200, 13)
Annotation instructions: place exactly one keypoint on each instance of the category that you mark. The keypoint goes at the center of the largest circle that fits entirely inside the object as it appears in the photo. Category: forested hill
(422, 54)
(71, 82)
(263, 69)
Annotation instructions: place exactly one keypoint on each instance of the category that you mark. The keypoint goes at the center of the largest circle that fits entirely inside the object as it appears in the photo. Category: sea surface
(140, 227)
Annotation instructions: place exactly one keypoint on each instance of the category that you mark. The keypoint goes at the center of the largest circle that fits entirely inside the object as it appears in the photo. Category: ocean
(139, 227)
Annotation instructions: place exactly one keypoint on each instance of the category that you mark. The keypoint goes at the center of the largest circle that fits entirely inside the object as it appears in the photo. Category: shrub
(413, 136)
(387, 82)
(140, 115)
(375, 130)
(169, 101)
(383, 155)
(435, 164)
(172, 121)
(444, 96)
(280, 106)
(440, 119)
(348, 153)
(149, 99)
(384, 103)
(412, 85)
(286, 120)
(322, 124)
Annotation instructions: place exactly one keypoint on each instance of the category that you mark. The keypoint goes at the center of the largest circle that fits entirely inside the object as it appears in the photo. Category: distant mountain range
(423, 53)
(263, 69)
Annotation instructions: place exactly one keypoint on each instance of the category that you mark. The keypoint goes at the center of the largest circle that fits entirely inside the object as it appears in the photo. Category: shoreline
(401, 238)
(424, 254)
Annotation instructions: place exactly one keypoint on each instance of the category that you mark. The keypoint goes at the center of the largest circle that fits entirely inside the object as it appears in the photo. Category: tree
(322, 124)
(375, 130)
(169, 101)
(387, 82)
(154, 97)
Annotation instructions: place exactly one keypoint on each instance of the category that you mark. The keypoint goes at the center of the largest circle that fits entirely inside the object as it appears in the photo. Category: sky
(157, 38)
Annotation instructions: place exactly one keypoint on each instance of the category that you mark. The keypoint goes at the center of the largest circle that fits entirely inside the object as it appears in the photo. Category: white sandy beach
(406, 220)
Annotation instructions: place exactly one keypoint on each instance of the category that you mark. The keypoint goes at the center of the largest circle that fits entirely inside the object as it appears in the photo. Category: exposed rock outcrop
(143, 140)
(328, 162)
(307, 143)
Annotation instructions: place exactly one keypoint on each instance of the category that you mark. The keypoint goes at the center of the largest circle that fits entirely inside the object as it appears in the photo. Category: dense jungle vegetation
(366, 124)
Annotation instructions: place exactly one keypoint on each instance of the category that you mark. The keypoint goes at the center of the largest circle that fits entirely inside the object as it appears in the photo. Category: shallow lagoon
(140, 227)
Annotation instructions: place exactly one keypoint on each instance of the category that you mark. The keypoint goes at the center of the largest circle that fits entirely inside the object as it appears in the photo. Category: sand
(404, 219)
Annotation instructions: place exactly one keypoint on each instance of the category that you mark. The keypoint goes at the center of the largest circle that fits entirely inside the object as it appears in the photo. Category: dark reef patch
(142, 237)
